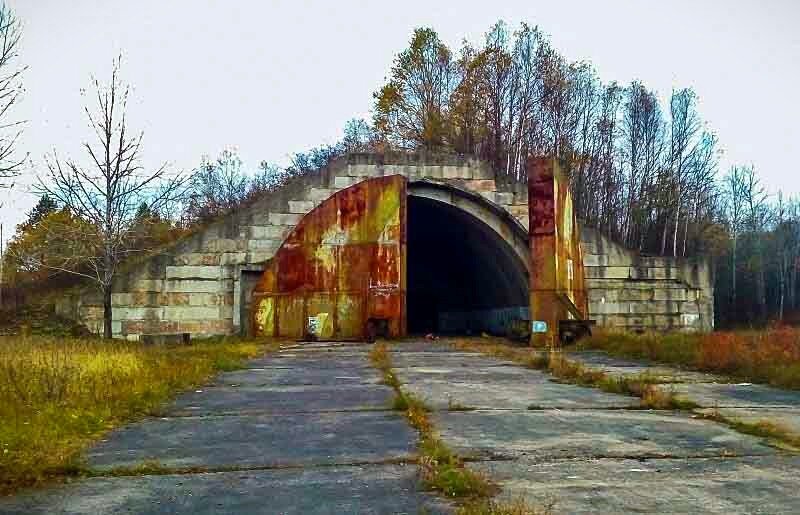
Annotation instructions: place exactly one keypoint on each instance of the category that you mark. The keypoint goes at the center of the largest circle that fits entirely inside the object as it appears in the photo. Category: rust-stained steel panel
(343, 264)
(556, 258)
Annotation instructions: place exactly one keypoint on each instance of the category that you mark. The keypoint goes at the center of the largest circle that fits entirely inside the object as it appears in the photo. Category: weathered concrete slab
(282, 399)
(618, 366)
(551, 434)
(501, 387)
(312, 360)
(331, 490)
(258, 441)
(742, 395)
(295, 376)
(786, 418)
(703, 485)
(402, 359)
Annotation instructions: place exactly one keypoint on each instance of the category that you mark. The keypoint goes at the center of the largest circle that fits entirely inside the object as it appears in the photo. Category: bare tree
(108, 192)
(757, 217)
(734, 209)
(10, 90)
(216, 187)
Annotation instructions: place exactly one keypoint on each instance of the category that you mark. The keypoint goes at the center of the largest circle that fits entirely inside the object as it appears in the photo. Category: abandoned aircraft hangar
(402, 243)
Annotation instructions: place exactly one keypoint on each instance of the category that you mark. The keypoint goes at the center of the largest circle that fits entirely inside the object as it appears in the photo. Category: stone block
(264, 245)
(286, 218)
(344, 182)
(603, 295)
(116, 327)
(456, 172)
(144, 285)
(222, 245)
(121, 299)
(595, 260)
(504, 198)
(180, 313)
(193, 272)
(636, 294)
(676, 294)
(610, 308)
(197, 258)
(233, 258)
(136, 313)
(197, 286)
(362, 170)
(607, 272)
(692, 308)
(300, 206)
(654, 307)
(269, 232)
(479, 170)
(433, 172)
(481, 185)
(319, 194)
(200, 299)
(226, 311)
(259, 256)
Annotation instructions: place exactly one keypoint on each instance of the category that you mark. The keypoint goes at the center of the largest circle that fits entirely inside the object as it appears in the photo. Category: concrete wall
(633, 292)
(202, 284)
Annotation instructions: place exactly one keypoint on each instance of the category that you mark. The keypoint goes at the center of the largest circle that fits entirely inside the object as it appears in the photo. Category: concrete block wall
(633, 292)
(199, 285)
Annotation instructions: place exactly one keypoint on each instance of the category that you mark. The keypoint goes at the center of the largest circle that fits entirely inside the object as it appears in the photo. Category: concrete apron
(303, 431)
(592, 452)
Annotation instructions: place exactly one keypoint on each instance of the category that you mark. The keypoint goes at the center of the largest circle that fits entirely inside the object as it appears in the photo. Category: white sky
(276, 77)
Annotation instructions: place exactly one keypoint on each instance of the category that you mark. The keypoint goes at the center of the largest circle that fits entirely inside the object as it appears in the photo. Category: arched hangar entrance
(466, 264)
(399, 257)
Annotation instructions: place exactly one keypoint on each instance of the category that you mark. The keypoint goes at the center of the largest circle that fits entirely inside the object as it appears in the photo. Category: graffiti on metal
(341, 270)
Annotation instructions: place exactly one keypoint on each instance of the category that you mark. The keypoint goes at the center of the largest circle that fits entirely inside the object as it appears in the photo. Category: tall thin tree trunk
(792, 279)
(782, 279)
(733, 275)
(107, 314)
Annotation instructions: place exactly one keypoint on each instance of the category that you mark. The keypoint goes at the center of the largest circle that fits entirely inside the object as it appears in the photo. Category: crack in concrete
(185, 471)
(257, 413)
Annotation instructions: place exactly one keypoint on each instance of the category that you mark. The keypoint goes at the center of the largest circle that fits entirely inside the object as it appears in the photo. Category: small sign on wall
(313, 326)
(539, 326)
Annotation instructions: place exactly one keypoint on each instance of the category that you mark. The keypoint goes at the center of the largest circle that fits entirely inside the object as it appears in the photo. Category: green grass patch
(57, 395)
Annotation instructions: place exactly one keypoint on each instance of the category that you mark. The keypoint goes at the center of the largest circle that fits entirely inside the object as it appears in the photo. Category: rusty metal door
(341, 270)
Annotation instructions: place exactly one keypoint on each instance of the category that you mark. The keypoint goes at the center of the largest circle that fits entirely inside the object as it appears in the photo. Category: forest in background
(643, 169)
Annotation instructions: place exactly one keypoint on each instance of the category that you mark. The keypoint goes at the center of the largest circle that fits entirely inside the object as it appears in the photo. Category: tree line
(643, 169)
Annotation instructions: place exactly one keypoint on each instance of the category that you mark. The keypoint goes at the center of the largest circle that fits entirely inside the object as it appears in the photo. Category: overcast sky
(272, 78)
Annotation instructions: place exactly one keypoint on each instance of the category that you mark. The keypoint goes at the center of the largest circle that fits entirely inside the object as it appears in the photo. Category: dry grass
(771, 431)
(519, 507)
(58, 395)
(770, 356)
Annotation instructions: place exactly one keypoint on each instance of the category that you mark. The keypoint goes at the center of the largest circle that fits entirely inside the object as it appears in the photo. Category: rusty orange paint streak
(556, 256)
(344, 262)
